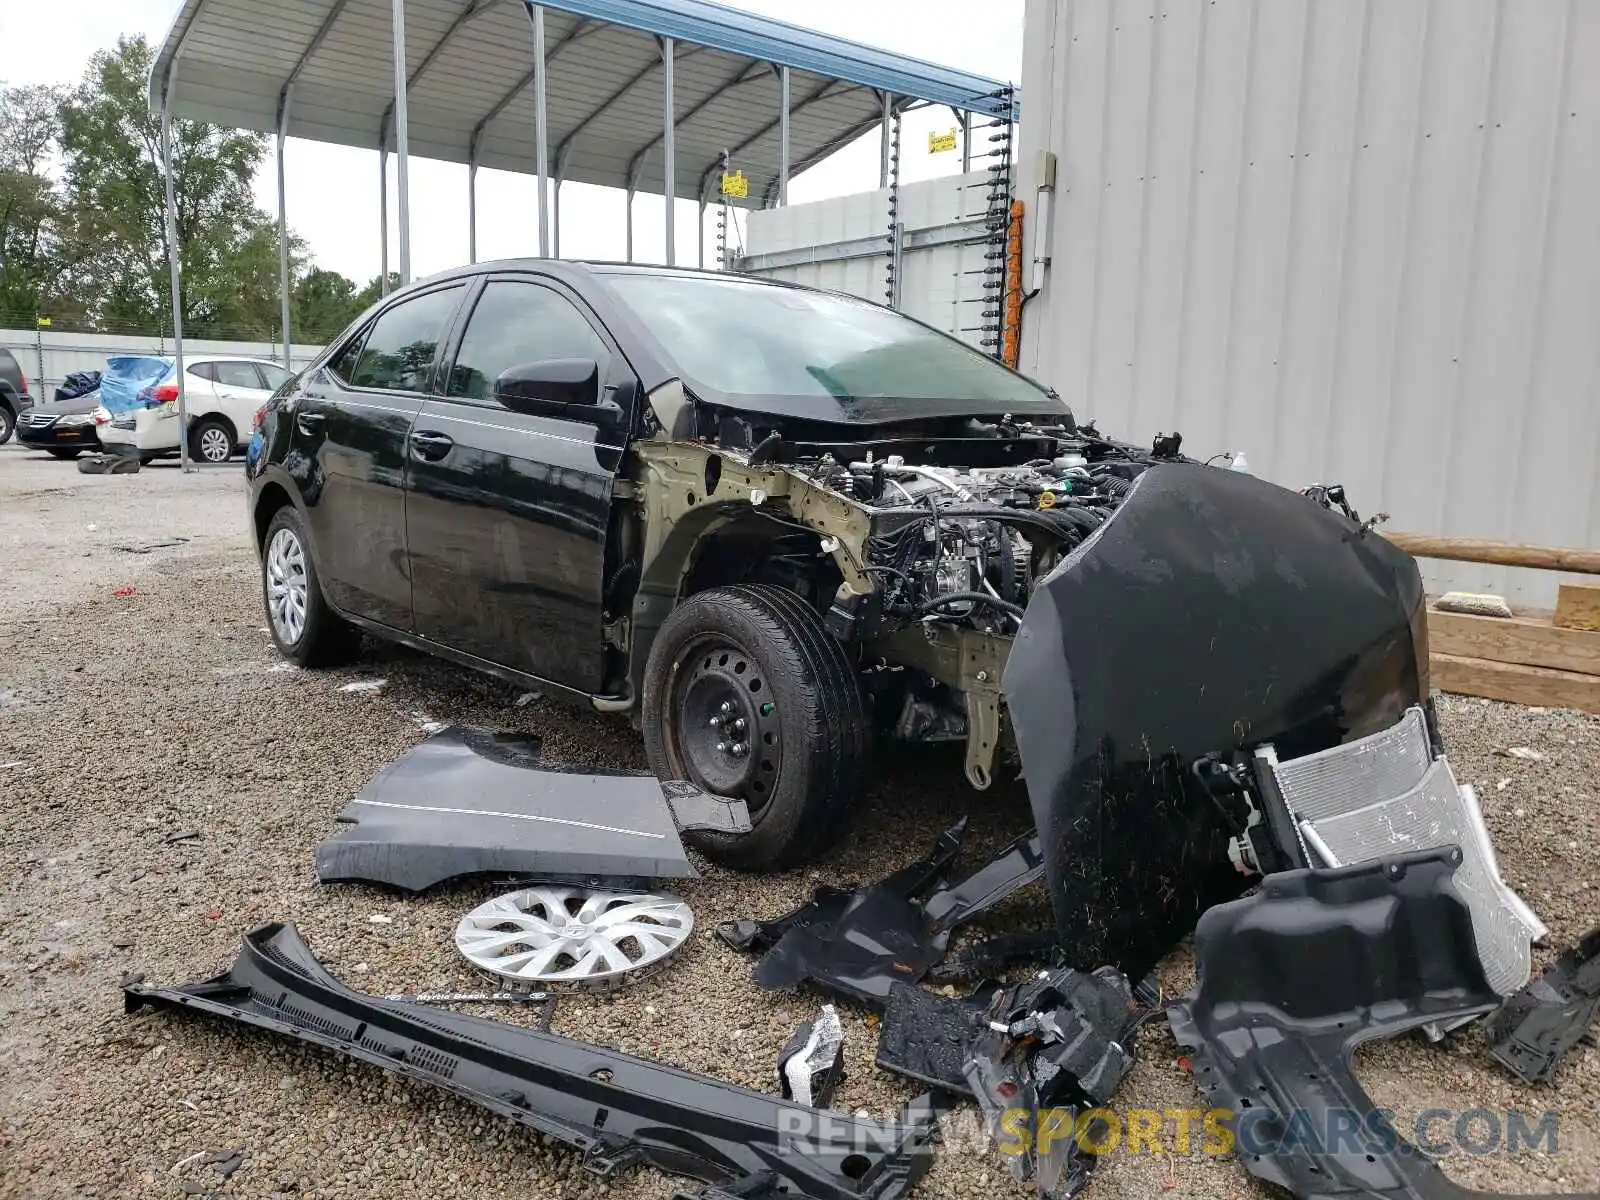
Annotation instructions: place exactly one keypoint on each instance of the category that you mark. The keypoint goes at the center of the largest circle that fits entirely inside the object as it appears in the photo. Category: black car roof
(567, 267)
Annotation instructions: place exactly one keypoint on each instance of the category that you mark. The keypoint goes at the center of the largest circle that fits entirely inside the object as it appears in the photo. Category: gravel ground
(125, 718)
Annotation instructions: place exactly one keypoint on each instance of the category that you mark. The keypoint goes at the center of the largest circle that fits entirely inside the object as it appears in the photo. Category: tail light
(24, 375)
(164, 393)
(259, 419)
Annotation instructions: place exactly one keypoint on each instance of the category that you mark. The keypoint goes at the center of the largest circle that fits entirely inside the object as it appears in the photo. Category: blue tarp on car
(126, 378)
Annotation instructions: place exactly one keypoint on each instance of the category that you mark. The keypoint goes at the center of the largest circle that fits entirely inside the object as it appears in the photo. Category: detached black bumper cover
(1213, 612)
(615, 1108)
(1292, 980)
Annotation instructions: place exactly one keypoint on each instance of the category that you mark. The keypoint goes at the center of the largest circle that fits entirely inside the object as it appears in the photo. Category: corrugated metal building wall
(941, 280)
(1359, 239)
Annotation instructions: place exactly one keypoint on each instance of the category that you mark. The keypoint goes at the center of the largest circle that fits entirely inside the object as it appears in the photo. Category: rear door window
(516, 323)
(206, 371)
(400, 351)
(237, 375)
(272, 378)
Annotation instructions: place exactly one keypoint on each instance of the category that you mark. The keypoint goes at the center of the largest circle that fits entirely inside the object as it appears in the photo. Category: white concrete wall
(1359, 239)
(64, 353)
(940, 285)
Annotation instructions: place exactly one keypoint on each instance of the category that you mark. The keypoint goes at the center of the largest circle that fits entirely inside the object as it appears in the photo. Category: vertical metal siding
(942, 285)
(1357, 239)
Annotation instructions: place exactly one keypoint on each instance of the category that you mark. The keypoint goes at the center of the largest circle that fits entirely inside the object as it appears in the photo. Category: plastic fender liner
(1538, 1025)
(615, 1108)
(1211, 613)
(1291, 980)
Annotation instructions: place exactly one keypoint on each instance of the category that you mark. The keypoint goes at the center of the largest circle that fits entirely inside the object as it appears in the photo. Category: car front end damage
(1161, 638)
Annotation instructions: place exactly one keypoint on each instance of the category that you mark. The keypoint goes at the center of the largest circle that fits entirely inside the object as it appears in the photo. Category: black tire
(8, 423)
(325, 639)
(63, 452)
(211, 440)
(805, 759)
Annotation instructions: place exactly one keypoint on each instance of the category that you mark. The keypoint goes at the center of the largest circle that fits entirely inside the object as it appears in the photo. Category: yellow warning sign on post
(735, 184)
(940, 143)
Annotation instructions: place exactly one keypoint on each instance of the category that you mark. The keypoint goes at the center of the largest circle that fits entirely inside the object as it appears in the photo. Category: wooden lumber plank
(1537, 686)
(1499, 554)
(1578, 606)
(1526, 641)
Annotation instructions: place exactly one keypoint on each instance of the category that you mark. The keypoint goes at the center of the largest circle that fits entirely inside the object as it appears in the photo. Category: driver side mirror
(529, 386)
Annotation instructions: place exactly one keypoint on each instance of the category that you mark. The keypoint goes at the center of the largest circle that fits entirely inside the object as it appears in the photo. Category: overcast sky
(52, 42)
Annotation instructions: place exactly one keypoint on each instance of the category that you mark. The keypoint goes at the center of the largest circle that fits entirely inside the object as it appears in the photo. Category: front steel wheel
(746, 694)
(725, 728)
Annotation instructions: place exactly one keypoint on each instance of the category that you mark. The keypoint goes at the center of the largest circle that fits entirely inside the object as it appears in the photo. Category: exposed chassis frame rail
(616, 1109)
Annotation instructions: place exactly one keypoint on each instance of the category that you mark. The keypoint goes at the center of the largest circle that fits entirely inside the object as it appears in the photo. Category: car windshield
(754, 339)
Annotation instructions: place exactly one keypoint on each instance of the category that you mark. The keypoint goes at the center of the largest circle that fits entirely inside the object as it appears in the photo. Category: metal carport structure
(621, 93)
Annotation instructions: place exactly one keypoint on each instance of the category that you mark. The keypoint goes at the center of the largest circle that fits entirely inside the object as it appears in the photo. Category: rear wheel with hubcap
(211, 441)
(304, 628)
(746, 694)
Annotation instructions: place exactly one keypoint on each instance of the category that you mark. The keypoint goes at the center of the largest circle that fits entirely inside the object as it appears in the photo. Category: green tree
(31, 233)
(111, 148)
(324, 302)
(373, 292)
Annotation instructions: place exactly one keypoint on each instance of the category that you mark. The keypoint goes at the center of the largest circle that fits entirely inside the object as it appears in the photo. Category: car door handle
(431, 444)
(309, 423)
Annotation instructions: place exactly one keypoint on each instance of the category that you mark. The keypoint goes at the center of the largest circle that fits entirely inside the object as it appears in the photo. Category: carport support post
(669, 149)
(283, 229)
(563, 156)
(783, 136)
(541, 136)
(472, 202)
(397, 25)
(555, 218)
(173, 272)
(887, 137)
(701, 227)
(966, 140)
(383, 219)
(628, 219)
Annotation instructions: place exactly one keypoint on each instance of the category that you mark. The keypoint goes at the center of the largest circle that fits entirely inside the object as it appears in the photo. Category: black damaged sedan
(777, 525)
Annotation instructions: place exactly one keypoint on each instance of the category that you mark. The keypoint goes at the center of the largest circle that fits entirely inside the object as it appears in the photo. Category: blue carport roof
(469, 69)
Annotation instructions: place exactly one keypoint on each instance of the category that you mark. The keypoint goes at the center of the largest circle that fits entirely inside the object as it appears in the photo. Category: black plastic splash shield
(860, 944)
(1213, 612)
(1536, 1027)
(615, 1108)
(471, 801)
(1291, 980)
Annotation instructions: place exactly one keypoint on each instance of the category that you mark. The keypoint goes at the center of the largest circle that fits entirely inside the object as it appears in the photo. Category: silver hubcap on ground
(215, 445)
(557, 934)
(286, 585)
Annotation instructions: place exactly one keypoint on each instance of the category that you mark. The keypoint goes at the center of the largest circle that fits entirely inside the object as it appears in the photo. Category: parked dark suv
(775, 523)
(14, 397)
